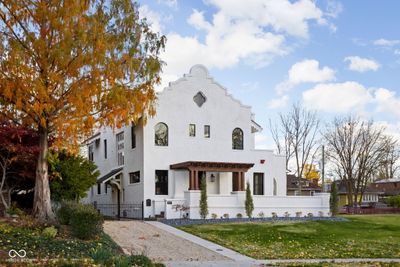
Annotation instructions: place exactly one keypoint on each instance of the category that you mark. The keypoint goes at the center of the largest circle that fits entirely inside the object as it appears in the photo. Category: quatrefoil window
(199, 99)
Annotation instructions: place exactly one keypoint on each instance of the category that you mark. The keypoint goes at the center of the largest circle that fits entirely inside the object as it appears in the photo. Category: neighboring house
(369, 198)
(199, 131)
(308, 188)
(388, 187)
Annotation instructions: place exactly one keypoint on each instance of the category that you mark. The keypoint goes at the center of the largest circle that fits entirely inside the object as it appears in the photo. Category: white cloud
(392, 129)
(309, 71)
(279, 102)
(361, 64)
(306, 71)
(253, 32)
(387, 101)
(170, 3)
(337, 97)
(397, 52)
(386, 42)
(282, 16)
(351, 96)
(153, 18)
(333, 8)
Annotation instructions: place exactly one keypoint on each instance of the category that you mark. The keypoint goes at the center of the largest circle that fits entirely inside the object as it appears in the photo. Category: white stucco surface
(177, 109)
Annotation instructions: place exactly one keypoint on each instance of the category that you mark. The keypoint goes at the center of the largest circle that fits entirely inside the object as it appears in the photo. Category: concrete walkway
(201, 242)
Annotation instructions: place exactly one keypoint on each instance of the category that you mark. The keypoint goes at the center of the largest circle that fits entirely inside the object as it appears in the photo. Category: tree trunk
(41, 201)
(1, 187)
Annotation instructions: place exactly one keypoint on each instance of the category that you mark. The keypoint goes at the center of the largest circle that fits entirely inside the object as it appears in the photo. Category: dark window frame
(237, 139)
(207, 133)
(258, 187)
(192, 133)
(99, 188)
(132, 175)
(91, 152)
(133, 136)
(159, 140)
(161, 187)
(105, 148)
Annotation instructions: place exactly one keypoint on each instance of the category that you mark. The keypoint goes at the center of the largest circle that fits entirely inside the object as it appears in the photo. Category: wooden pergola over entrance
(194, 167)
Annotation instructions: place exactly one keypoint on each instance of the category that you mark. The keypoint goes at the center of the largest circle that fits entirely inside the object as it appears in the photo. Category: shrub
(287, 214)
(140, 260)
(334, 200)
(226, 216)
(49, 232)
(320, 214)
(86, 222)
(239, 216)
(393, 201)
(274, 215)
(248, 203)
(310, 215)
(261, 215)
(122, 261)
(65, 212)
(298, 214)
(13, 210)
(102, 256)
(214, 216)
(203, 199)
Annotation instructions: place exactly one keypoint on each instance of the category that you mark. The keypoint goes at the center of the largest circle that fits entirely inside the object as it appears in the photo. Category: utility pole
(323, 169)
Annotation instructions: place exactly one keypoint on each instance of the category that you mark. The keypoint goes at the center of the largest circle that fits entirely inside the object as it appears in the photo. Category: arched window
(161, 134)
(275, 187)
(237, 139)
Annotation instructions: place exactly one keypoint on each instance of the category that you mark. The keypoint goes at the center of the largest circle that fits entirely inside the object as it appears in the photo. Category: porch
(233, 175)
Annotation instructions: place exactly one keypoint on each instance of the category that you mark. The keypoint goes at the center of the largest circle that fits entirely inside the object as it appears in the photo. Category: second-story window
(161, 134)
(133, 136)
(105, 148)
(207, 131)
(120, 148)
(237, 139)
(192, 130)
(91, 153)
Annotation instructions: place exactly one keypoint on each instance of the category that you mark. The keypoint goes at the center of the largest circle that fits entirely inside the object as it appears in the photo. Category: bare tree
(282, 141)
(389, 166)
(356, 149)
(297, 135)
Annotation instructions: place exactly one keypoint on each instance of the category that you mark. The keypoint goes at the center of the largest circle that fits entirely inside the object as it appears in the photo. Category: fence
(350, 210)
(129, 211)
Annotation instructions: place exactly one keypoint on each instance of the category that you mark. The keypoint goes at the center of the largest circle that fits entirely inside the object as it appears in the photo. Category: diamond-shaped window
(199, 99)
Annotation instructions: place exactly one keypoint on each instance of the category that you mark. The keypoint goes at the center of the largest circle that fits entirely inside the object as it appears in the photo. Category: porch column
(191, 180)
(196, 180)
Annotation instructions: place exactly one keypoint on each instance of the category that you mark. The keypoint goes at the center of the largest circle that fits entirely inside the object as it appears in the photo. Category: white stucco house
(199, 131)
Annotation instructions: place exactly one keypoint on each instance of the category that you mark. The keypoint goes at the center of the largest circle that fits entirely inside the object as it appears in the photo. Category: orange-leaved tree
(69, 66)
(311, 172)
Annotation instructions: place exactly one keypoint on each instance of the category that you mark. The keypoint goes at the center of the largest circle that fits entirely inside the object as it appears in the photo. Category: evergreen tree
(334, 200)
(73, 176)
(249, 205)
(203, 198)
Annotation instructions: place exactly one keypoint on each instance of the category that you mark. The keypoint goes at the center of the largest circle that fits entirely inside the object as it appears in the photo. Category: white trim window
(120, 148)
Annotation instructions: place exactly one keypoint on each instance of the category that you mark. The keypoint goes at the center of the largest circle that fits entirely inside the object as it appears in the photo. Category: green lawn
(364, 236)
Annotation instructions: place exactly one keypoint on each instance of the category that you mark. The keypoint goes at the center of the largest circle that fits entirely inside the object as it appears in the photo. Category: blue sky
(337, 57)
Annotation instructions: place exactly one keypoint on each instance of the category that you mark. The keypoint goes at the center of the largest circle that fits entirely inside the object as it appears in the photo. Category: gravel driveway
(137, 237)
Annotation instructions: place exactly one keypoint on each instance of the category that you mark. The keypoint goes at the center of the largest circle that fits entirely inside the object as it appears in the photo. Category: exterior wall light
(212, 178)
